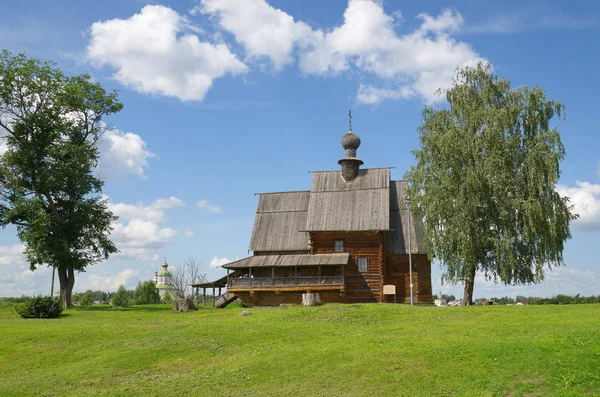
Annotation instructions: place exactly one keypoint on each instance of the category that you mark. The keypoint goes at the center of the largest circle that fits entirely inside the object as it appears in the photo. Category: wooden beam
(293, 288)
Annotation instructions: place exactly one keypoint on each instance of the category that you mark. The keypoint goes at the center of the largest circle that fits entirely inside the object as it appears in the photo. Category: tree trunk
(469, 282)
(67, 281)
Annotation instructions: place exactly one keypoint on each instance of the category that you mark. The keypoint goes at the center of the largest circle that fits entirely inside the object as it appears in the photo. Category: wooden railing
(246, 282)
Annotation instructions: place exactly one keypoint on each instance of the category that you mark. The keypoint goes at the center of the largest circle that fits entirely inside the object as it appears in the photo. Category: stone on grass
(246, 313)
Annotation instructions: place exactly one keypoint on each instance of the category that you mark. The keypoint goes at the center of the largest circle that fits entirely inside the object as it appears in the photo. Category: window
(363, 264)
(338, 246)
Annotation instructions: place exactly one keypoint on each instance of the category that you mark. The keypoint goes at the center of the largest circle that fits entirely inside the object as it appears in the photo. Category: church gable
(339, 205)
(280, 217)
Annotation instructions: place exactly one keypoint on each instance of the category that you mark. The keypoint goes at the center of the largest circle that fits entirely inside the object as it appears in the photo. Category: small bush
(167, 299)
(40, 307)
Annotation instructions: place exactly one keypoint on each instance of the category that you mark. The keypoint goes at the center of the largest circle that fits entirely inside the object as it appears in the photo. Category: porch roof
(220, 283)
(290, 260)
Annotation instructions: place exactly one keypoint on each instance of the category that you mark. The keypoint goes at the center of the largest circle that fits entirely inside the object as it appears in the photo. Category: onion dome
(165, 272)
(350, 141)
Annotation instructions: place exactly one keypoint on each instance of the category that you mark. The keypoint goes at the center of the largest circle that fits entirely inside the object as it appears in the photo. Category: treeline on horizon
(90, 296)
(560, 299)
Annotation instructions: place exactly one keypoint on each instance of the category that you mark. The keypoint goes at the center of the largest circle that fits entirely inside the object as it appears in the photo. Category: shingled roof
(397, 240)
(369, 202)
(360, 204)
(279, 219)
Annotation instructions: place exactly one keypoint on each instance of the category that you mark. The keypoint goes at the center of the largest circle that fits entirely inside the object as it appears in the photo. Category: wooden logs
(311, 299)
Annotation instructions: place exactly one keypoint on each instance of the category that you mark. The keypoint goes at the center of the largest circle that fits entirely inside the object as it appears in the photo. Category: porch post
(273, 275)
(204, 296)
(319, 268)
(213, 295)
(296, 274)
(344, 274)
(250, 275)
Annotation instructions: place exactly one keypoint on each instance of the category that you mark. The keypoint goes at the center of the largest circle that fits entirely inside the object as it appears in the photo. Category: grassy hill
(334, 350)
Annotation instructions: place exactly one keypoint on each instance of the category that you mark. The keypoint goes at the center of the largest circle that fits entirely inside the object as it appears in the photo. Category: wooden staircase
(225, 299)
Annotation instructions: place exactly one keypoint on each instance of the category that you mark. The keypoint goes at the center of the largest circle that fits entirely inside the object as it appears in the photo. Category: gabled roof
(339, 205)
(368, 203)
(397, 240)
(290, 260)
(279, 219)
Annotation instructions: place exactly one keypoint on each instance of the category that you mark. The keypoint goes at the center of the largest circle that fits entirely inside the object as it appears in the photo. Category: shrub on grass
(121, 297)
(86, 299)
(40, 307)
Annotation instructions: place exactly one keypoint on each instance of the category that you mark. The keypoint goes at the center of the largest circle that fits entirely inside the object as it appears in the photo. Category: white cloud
(561, 280)
(15, 278)
(188, 233)
(3, 145)
(417, 63)
(122, 154)
(370, 95)
(218, 262)
(158, 52)
(106, 281)
(142, 234)
(264, 31)
(12, 255)
(153, 212)
(206, 205)
(167, 203)
(137, 233)
(586, 200)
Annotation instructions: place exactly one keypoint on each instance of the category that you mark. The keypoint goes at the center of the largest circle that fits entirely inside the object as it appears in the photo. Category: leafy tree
(485, 178)
(48, 190)
(86, 299)
(448, 297)
(146, 293)
(121, 298)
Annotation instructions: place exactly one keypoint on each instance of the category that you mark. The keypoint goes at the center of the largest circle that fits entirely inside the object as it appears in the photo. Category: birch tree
(484, 183)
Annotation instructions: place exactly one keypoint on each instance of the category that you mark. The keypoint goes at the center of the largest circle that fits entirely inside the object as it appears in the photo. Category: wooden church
(345, 238)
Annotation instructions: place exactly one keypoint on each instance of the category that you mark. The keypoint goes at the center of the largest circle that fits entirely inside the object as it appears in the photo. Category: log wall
(276, 298)
(397, 273)
(360, 286)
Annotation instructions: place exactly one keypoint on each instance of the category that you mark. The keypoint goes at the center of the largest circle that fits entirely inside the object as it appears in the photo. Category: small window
(338, 246)
(363, 264)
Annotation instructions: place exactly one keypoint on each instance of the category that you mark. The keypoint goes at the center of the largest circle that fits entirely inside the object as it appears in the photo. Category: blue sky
(224, 99)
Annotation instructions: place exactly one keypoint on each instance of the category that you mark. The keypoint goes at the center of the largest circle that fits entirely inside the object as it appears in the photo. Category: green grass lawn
(332, 350)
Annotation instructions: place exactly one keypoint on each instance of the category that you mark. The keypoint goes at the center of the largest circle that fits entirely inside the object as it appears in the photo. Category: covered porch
(216, 285)
(288, 272)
